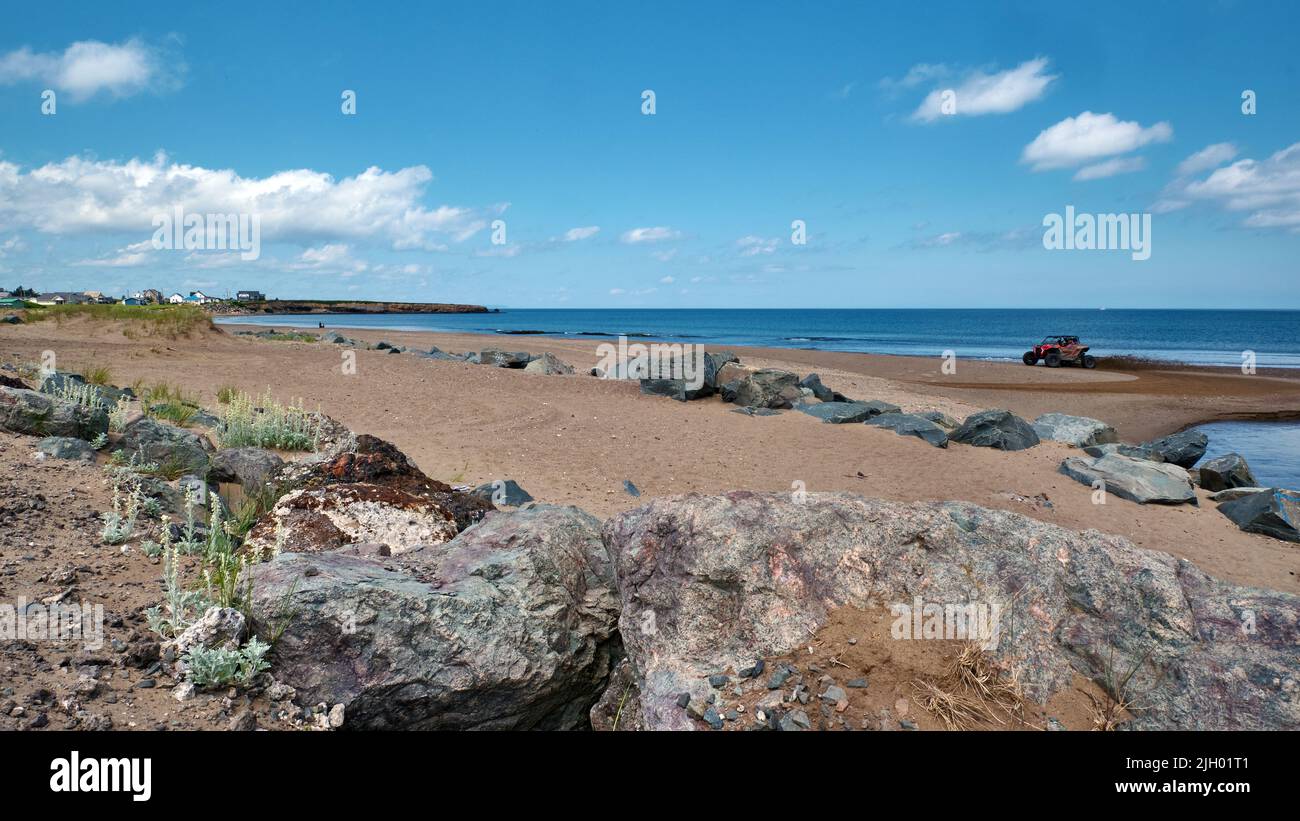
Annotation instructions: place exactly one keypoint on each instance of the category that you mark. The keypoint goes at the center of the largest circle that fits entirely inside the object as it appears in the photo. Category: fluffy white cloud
(88, 67)
(1268, 189)
(1078, 140)
(137, 253)
(586, 232)
(982, 93)
(1111, 167)
(655, 234)
(1212, 156)
(78, 195)
(751, 246)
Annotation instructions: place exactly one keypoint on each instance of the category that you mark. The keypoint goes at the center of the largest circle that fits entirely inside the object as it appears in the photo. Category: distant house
(5, 294)
(176, 299)
(61, 298)
(10, 302)
(131, 301)
(200, 297)
(150, 296)
(250, 296)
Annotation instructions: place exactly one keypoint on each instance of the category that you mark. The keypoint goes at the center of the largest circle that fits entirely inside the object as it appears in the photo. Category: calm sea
(1197, 337)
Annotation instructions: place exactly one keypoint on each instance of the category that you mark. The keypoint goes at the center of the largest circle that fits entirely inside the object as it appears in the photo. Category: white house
(176, 299)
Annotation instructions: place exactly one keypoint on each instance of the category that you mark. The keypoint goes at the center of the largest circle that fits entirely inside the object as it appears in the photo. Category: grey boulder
(510, 626)
(549, 364)
(36, 414)
(995, 428)
(710, 583)
(909, 424)
(1137, 480)
(1079, 431)
(504, 359)
(1135, 451)
(840, 413)
(66, 447)
(166, 445)
(1227, 471)
(764, 388)
(503, 492)
(1272, 512)
(1183, 449)
(250, 467)
(813, 382)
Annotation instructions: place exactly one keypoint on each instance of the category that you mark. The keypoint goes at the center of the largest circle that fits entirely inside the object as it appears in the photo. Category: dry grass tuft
(974, 691)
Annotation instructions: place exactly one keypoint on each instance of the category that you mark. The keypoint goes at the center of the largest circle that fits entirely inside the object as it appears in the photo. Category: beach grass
(167, 321)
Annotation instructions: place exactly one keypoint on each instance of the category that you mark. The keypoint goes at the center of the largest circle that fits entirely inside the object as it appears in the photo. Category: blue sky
(765, 113)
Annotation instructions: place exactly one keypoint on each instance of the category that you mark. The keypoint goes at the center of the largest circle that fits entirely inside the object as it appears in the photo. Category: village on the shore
(148, 296)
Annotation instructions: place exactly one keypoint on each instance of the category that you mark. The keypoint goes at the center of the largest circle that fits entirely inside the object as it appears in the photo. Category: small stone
(856, 683)
(243, 722)
(778, 678)
(834, 693)
(336, 716)
(718, 680)
(183, 691)
(146, 684)
(1054, 725)
(712, 718)
(38, 721)
(795, 720)
(907, 724)
(683, 699)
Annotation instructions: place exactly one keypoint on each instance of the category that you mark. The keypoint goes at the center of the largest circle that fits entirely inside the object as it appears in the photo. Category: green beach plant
(266, 423)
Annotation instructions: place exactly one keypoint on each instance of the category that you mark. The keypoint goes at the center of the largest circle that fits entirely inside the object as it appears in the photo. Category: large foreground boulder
(1137, 480)
(1079, 431)
(909, 424)
(1183, 449)
(711, 583)
(36, 414)
(1227, 471)
(996, 428)
(1273, 512)
(511, 626)
(350, 459)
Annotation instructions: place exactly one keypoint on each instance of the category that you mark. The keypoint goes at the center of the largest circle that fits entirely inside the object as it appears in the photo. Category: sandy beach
(575, 439)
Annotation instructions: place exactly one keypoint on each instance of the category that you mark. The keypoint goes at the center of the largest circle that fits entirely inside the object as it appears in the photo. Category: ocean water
(1196, 337)
(1272, 449)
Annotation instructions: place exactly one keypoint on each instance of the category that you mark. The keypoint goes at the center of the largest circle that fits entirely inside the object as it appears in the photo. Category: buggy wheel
(1088, 361)
(1029, 358)
(1052, 360)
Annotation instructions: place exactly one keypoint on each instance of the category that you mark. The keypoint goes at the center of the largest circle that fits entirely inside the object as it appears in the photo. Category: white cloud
(79, 195)
(655, 234)
(1078, 140)
(666, 255)
(586, 232)
(1268, 189)
(998, 93)
(88, 67)
(666, 280)
(1212, 156)
(137, 253)
(1110, 168)
(616, 292)
(753, 246)
(916, 75)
